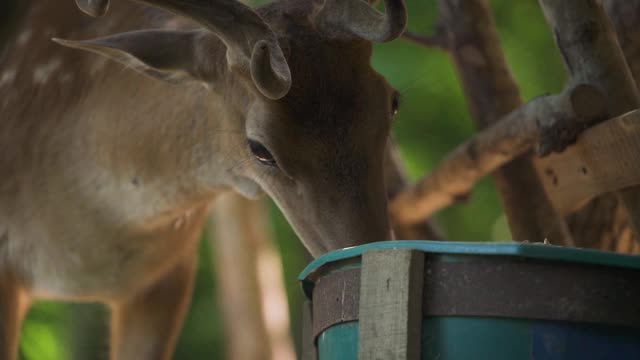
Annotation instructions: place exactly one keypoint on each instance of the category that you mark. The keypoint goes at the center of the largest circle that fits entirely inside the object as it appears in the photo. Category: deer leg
(146, 327)
(13, 306)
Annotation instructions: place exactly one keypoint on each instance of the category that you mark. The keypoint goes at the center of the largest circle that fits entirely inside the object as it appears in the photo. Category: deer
(117, 133)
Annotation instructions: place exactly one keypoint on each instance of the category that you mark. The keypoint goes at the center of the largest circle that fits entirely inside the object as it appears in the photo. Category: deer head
(297, 76)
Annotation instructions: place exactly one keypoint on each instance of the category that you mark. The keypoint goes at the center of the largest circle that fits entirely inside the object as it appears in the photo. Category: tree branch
(603, 161)
(397, 181)
(491, 93)
(488, 150)
(591, 54)
(625, 16)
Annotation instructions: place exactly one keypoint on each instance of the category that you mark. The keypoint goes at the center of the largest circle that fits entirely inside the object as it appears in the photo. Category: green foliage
(433, 119)
(41, 339)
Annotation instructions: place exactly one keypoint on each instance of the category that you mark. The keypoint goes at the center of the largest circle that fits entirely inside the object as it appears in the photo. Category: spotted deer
(112, 148)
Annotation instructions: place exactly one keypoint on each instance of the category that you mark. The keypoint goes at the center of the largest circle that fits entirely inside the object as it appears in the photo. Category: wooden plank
(604, 159)
(390, 305)
(528, 289)
(309, 350)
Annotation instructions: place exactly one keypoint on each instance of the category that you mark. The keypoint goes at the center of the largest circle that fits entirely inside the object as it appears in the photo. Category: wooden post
(391, 305)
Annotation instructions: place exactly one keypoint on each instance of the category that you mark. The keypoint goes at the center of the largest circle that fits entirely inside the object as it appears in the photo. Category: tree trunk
(253, 301)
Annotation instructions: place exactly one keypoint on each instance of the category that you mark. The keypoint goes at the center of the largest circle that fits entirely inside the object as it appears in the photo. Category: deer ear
(172, 56)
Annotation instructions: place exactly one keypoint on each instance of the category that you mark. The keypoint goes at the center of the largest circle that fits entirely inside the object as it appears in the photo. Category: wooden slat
(341, 293)
(606, 158)
(390, 305)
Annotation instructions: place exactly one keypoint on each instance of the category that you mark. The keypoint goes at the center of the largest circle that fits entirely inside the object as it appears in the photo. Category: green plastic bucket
(498, 301)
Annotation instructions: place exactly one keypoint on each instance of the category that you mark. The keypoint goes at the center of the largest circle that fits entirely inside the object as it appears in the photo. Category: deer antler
(359, 18)
(251, 44)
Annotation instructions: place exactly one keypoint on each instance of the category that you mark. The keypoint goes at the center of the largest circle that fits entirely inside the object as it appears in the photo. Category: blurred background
(247, 302)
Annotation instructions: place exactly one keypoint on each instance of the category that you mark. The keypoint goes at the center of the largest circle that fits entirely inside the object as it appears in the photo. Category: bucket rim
(541, 251)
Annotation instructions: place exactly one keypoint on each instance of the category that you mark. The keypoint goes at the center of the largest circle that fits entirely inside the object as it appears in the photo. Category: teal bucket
(498, 301)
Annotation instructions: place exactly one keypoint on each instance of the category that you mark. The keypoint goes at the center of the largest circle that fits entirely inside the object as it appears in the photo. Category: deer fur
(106, 173)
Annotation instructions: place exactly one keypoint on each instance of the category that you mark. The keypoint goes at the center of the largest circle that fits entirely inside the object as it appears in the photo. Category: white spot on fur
(182, 220)
(23, 38)
(178, 223)
(7, 77)
(42, 73)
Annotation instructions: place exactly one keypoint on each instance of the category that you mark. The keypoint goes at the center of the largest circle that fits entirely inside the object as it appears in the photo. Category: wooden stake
(391, 305)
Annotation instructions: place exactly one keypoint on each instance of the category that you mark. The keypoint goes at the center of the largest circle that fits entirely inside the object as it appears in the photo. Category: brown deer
(106, 172)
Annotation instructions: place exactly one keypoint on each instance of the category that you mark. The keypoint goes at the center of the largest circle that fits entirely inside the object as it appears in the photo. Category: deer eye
(395, 104)
(261, 153)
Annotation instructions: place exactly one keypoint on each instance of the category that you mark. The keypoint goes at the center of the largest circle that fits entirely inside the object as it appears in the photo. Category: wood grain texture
(603, 160)
(505, 287)
(326, 302)
(487, 150)
(390, 305)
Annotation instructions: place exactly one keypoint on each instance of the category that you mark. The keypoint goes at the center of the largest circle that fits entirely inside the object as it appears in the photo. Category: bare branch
(617, 236)
(397, 181)
(604, 160)
(491, 93)
(491, 148)
(592, 55)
